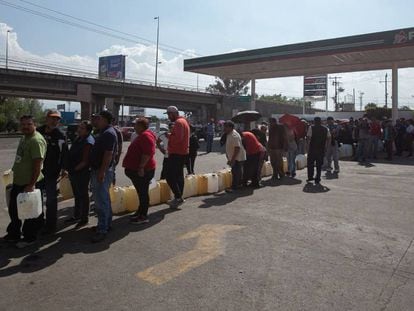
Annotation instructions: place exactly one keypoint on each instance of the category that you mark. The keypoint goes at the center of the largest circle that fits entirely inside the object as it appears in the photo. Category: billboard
(315, 85)
(112, 67)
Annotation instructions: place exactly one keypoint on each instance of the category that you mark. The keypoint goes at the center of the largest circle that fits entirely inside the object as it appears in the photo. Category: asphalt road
(287, 246)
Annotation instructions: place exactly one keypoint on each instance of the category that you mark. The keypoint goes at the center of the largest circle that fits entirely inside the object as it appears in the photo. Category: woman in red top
(139, 164)
(254, 161)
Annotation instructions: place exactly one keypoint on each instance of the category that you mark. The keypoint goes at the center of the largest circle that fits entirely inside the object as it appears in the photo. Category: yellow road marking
(209, 246)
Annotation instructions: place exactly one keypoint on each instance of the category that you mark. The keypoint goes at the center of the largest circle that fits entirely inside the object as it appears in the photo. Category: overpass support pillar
(204, 115)
(394, 93)
(86, 110)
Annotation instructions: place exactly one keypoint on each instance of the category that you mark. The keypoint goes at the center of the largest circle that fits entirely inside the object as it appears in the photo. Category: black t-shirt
(261, 137)
(76, 152)
(318, 139)
(106, 141)
(56, 151)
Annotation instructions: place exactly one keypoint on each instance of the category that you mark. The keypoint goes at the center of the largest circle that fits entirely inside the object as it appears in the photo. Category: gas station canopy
(375, 51)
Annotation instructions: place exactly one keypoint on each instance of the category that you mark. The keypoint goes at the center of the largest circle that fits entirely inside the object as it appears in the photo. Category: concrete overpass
(93, 94)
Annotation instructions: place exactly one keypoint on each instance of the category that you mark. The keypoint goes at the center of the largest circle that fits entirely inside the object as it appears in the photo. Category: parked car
(127, 132)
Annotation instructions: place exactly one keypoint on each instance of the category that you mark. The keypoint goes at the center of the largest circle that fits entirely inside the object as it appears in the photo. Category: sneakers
(25, 243)
(134, 215)
(175, 203)
(98, 237)
(309, 180)
(139, 220)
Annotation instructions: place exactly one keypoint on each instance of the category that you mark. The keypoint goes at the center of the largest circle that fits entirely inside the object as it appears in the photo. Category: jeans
(332, 153)
(209, 140)
(141, 185)
(237, 172)
(190, 163)
(292, 162)
(373, 146)
(251, 169)
(164, 168)
(276, 159)
(388, 148)
(80, 187)
(175, 174)
(102, 199)
(48, 186)
(315, 159)
(31, 227)
(362, 151)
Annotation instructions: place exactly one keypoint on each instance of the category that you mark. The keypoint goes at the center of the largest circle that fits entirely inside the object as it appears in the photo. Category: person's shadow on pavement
(71, 241)
(224, 198)
(312, 188)
(330, 175)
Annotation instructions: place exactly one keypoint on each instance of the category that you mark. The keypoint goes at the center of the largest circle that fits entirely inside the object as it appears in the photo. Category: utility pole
(360, 100)
(7, 49)
(386, 89)
(336, 84)
(156, 55)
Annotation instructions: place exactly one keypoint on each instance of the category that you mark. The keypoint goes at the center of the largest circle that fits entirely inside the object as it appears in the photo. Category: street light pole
(7, 49)
(156, 55)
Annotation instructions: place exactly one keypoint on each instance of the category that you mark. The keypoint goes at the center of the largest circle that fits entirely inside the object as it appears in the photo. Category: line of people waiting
(43, 156)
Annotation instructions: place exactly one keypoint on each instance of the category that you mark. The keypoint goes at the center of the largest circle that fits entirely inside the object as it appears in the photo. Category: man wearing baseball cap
(53, 165)
(178, 148)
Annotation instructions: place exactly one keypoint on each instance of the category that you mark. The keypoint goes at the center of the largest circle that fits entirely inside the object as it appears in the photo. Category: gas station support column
(253, 93)
(394, 93)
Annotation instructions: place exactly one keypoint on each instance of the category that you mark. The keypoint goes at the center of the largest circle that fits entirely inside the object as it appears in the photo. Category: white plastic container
(267, 169)
(345, 151)
(155, 194)
(7, 178)
(190, 186)
(202, 184)
(301, 161)
(285, 165)
(212, 183)
(29, 204)
(8, 192)
(165, 191)
(118, 202)
(65, 188)
(224, 179)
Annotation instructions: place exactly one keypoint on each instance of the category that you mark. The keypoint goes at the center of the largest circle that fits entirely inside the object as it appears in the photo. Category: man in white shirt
(236, 154)
(162, 144)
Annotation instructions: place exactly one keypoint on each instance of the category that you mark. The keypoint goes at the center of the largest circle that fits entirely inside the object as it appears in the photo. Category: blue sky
(204, 27)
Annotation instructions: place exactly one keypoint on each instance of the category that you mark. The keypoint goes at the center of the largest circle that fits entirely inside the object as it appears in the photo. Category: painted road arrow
(209, 246)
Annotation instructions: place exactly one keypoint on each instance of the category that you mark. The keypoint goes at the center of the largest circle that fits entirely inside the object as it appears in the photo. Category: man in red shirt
(178, 149)
(374, 137)
(139, 164)
(254, 159)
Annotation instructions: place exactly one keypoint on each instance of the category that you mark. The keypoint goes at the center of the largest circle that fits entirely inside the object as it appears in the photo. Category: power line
(100, 25)
(77, 25)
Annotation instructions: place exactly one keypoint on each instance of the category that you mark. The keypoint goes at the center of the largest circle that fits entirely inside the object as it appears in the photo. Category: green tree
(229, 87)
(405, 108)
(379, 112)
(370, 106)
(278, 98)
(11, 109)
